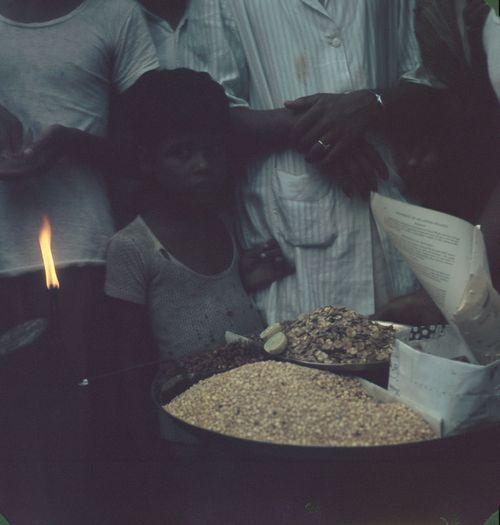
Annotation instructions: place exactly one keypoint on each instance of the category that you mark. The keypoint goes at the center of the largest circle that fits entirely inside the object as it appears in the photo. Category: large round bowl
(483, 443)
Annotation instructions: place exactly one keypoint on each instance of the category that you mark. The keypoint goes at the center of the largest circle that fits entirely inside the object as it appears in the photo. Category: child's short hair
(165, 102)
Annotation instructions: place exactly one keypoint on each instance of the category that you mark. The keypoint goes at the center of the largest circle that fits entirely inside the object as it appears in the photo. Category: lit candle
(51, 279)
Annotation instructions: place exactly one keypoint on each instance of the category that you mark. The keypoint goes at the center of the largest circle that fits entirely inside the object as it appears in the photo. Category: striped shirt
(267, 51)
(170, 42)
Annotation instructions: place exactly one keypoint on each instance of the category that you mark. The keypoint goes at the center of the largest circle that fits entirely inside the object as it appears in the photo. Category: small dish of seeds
(331, 337)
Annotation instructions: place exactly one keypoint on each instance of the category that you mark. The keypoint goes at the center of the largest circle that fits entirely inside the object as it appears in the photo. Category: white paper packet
(464, 395)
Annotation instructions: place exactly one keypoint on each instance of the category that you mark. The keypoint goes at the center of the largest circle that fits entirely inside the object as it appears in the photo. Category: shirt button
(275, 211)
(336, 42)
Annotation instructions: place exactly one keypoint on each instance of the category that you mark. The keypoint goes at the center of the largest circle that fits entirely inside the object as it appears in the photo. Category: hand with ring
(331, 119)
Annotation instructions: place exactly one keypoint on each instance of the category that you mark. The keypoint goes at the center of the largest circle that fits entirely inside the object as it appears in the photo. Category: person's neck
(170, 10)
(178, 211)
(33, 11)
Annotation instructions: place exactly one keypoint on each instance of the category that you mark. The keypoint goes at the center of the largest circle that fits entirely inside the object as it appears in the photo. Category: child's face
(192, 166)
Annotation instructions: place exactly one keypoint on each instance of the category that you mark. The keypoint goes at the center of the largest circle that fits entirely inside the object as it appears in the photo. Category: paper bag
(464, 395)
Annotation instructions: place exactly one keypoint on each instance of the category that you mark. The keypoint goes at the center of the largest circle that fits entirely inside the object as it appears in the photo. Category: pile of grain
(333, 335)
(290, 404)
(206, 364)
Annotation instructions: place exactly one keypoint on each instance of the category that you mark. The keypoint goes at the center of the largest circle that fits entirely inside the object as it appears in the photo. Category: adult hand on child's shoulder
(11, 132)
(37, 156)
(262, 265)
(415, 309)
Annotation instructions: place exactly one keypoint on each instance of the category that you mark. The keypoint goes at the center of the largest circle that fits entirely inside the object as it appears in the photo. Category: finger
(422, 149)
(271, 243)
(5, 145)
(28, 142)
(46, 142)
(250, 254)
(416, 155)
(318, 151)
(305, 123)
(16, 135)
(272, 250)
(377, 163)
(355, 174)
(255, 250)
(368, 173)
(307, 144)
(302, 103)
(340, 147)
(339, 174)
(431, 159)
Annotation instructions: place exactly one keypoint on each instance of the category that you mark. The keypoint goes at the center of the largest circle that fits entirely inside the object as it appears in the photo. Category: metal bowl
(484, 443)
(400, 330)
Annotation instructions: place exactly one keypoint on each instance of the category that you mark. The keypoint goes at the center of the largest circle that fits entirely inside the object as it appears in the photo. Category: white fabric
(491, 42)
(188, 312)
(462, 395)
(266, 52)
(169, 42)
(61, 72)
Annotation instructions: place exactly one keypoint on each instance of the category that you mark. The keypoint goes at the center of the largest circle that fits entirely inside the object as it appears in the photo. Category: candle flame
(44, 239)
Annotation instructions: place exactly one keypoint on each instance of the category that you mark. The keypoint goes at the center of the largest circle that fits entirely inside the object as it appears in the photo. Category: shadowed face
(191, 166)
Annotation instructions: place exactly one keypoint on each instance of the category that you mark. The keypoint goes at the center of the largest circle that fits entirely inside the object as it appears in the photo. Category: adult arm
(414, 309)
(260, 132)
(61, 141)
(490, 224)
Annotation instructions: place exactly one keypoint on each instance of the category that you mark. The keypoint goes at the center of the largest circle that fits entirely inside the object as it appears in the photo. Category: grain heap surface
(331, 335)
(215, 361)
(290, 404)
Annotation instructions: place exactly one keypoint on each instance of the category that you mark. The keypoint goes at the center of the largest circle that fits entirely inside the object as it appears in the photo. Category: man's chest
(56, 61)
(309, 47)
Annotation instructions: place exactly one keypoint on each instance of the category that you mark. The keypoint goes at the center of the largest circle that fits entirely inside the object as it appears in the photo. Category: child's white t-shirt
(188, 312)
(62, 72)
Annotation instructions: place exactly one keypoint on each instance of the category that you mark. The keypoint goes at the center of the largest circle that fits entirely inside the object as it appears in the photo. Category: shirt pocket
(304, 208)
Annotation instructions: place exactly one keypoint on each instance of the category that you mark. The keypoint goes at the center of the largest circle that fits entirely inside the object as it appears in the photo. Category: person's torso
(491, 42)
(172, 43)
(190, 312)
(59, 71)
(294, 48)
(300, 47)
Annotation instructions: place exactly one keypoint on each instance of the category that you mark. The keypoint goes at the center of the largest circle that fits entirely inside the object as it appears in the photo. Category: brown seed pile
(290, 404)
(206, 364)
(333, 335)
